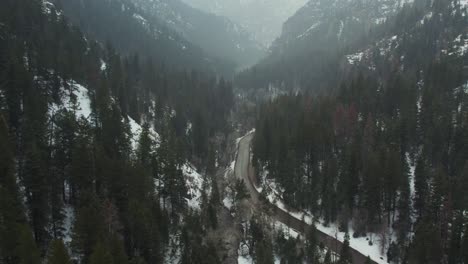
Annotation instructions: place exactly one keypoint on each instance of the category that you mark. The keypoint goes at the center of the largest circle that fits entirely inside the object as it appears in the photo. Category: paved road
(244, 170)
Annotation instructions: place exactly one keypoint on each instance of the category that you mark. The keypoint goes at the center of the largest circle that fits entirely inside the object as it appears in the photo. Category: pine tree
(145, 147)
(404, 218)
(327, 259)
(262, 246)
(240, 190)
(81, 171)
(312, 253)
(37, 190)
(118, 251)
(58, 254)
(368, 260)
(345, 255)
(11, 210)
(426, 246)
(101, 255)
(465, 245)
(421, 187)
(27, 250)
(88, 229)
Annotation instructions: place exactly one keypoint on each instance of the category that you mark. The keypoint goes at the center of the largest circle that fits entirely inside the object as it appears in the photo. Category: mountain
(365, 135)
(103, 152)
(216, 35)
(320, 40)
(130, 28)
(262, 18)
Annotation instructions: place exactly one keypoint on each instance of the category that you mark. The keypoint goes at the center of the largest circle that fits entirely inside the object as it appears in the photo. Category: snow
(172, 253)
(140, 19)
(460, 46)
(68, 224)
(411, 176)
(355, 58)
(83, 103)
(136, 130)
(245, 260)
(194, 183)
(306, 33)
(464, 3)
(360, 244)
(227, 202)
(103, 65)
(288, 232)
(428, 16)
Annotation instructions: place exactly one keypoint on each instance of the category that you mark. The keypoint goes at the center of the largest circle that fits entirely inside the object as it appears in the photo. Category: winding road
(244, 170)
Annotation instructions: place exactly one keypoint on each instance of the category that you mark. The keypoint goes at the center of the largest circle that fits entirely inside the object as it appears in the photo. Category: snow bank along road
(244, 170)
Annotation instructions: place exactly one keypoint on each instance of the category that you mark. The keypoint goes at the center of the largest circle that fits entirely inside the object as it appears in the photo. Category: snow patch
(360, 244)
(355, 58)
(82, 107)
(103, 65)
(245, 260)
(68, 224)
(460, 46)
(306, 33)
(194, 183)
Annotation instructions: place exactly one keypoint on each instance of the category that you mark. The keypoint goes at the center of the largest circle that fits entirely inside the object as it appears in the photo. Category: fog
(263, 18)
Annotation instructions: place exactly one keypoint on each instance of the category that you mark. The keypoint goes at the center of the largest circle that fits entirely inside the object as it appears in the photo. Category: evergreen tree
(465, 245)
(404, 215)
(327, 259)
(58, 253)
(118, 251)
(345, 255)
(312, 253)
(144, 152)
(88, 229)
(101, 255)
(12, 217)
(421, 188)
(27, 250)
(368, 260)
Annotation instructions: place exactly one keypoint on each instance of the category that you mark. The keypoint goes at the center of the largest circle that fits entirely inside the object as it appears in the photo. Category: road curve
(244, 170)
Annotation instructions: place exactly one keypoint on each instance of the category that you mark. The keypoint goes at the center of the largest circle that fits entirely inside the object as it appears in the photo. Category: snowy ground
(83, 103)
(360, 244)
(136, 130)
(278, 226)
(194, 182)
(245, 260)
(68, 224)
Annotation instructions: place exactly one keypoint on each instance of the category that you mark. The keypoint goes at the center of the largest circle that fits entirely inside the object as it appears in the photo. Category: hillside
(130, 28)
(319, 41)
(378, 157)
(216, 35)
(266, 27)
(124, 140)
(106, 158)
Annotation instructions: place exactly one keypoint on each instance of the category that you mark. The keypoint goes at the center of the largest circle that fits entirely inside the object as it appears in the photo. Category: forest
(393, 156)
(122, 142)
(57, 165)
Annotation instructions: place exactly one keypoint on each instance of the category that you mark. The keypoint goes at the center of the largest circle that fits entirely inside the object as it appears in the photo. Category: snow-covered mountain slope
(214, 34)
(263, 18)
(324, 38)
(407, 46)
(341, 21)
(131, 28)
